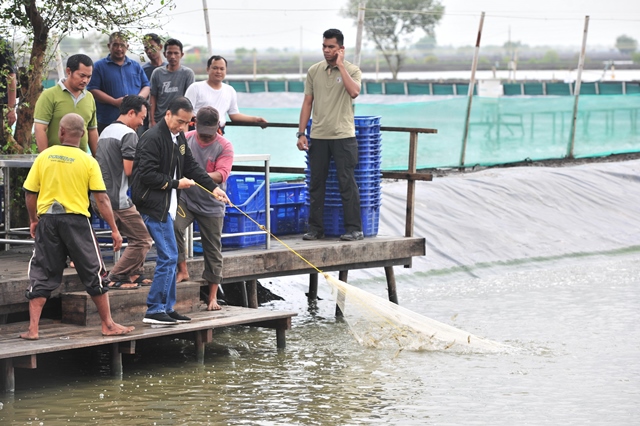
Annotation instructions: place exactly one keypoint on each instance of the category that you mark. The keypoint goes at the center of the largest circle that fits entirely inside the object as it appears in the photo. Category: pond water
(572, 324)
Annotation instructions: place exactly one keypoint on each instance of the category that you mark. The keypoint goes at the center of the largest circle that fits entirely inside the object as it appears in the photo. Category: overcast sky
(284, 23)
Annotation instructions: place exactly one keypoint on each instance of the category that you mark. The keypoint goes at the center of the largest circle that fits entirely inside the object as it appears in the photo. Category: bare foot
(182, 276)
(116, 329)
(141, 279)
(29, 336)
(213, 305)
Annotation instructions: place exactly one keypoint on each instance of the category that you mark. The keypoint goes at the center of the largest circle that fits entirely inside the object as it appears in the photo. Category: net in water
(379, 323)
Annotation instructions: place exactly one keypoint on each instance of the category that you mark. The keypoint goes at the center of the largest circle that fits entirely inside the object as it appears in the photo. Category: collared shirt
(56, 102)
(332, 112)
(116, 81)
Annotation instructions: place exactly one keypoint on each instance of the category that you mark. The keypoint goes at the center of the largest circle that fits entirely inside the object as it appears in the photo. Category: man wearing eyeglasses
(163, 165)
(115, 77)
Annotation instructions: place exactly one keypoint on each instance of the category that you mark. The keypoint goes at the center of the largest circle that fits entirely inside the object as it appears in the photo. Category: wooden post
(342, 276)
(472, 83)
(8, 375)
(572, 140)
(116, 360)
(391, 284)
(245, 297)
(411, 184)
(252, 293)
(312, 296)
(361, 7)
(281, 341)
(202, 338)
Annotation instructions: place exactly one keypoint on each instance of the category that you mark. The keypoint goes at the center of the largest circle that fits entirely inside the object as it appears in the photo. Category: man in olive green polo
(329, 91)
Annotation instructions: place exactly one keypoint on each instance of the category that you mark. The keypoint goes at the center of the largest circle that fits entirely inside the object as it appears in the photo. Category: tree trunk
(29, 96)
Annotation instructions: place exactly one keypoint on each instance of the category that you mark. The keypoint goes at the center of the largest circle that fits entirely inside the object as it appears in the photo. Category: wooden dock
(77, 328)
(56, 336)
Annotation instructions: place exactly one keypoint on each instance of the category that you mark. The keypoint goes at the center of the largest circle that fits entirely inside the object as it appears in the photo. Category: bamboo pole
(472, 83)
(576, 92)
(361, 6)
(205, 10)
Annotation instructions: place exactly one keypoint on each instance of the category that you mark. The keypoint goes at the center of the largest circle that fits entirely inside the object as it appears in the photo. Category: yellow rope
(339, 284)
(263, 228)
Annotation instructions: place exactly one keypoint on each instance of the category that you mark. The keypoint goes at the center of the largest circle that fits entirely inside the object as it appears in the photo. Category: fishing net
(379, 323)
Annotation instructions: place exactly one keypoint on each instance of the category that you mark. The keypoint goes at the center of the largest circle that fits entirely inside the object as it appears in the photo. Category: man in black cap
(213, 153)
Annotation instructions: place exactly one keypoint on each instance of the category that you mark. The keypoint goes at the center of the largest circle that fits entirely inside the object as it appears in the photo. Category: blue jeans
(162, 294)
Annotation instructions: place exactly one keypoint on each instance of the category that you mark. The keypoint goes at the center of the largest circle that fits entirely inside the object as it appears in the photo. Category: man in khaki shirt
(329, 91)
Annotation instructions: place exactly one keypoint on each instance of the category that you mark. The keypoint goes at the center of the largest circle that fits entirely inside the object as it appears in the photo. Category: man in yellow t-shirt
(57, 198)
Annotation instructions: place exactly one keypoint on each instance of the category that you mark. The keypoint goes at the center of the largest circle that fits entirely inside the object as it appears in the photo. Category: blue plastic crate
(287, 193)
(334, 223)
(367, 141)
(373, 129)
(289, 219)
(247, 191)
(235, 222)
(366, 120)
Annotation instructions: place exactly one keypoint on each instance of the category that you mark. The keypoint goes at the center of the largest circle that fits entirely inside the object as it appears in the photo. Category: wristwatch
(298, 134)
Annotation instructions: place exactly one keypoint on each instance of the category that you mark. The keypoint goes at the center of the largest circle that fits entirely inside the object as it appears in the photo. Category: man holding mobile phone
(329, 91)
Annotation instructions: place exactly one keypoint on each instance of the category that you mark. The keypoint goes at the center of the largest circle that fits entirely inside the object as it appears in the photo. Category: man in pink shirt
(215, 154)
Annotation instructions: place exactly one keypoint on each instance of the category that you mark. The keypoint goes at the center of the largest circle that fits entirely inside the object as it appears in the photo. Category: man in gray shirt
(115, 154)
(169, 82)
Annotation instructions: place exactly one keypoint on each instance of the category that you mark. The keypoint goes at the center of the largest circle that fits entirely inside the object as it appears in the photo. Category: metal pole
(576, 92)
(472, 83)
(205, 10)
(359, 33)
(300, 62)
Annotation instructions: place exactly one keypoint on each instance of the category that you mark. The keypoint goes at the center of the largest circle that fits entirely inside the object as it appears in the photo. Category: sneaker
(352, 236)
(178, 318)
(159, 318)
(313, 235)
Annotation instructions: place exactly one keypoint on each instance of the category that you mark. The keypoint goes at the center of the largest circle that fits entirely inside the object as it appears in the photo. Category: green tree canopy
(388, 23)
(626, 44)
(35, 22)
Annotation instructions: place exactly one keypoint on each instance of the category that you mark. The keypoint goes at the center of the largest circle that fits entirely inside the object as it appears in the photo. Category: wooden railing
(411, 175)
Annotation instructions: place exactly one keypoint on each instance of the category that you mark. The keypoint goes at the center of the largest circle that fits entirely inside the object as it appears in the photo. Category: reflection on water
(574, 322)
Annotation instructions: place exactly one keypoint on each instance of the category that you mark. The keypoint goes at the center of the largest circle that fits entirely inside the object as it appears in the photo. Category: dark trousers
(345, 155)
(59, 236)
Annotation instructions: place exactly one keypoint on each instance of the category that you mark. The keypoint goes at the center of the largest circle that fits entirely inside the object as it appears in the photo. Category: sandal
(118, 285)
(142, 280)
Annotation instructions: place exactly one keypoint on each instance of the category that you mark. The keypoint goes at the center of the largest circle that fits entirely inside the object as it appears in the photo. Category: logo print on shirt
(166, 87)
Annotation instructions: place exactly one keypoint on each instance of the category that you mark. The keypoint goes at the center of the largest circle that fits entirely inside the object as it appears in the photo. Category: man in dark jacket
(164, 165)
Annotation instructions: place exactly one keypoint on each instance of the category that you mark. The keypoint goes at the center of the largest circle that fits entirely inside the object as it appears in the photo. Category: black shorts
(59, 236)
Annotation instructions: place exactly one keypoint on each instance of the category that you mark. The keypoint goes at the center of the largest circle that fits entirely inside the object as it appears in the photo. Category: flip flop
(118, 285)
(142, 280)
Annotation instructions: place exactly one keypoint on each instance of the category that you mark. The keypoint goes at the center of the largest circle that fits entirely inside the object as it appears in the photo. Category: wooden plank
(327, 255)
(56, 336)
(258, 263)
(126, 305)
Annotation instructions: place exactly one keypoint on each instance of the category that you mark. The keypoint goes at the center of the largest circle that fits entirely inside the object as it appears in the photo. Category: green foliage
(426, 43)
(626, 44)
(36, 22)
(241, 53)
(388, 23)
(636, 57)
(551, 57)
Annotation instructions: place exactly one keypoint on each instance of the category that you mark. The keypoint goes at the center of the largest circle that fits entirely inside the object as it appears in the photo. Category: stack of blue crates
(247, 192)
(368, 177)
